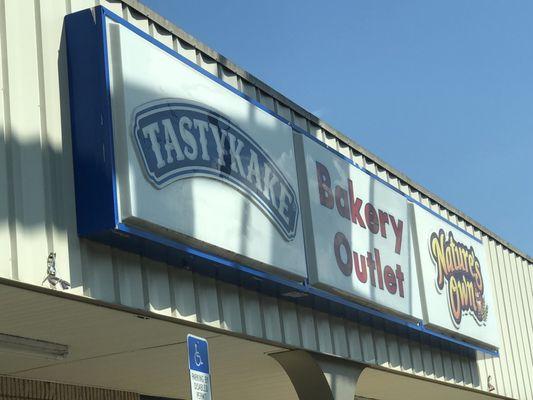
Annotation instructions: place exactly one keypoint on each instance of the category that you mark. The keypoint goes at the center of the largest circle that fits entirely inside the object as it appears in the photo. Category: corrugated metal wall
(38, 216)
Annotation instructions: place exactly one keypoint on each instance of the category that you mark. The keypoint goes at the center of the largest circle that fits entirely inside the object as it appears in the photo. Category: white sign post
(199, 368)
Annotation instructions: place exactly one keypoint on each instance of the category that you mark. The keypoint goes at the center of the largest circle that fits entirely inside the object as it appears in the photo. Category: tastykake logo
(458, 267)
(179, 140)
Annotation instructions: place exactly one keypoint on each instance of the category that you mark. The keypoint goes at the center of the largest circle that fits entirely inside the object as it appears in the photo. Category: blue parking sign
(198, 354)
(199, 368)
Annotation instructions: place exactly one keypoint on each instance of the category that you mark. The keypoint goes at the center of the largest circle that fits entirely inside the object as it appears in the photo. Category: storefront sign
(455, 279)
(198, 162)
(361, 241)
(174, 164)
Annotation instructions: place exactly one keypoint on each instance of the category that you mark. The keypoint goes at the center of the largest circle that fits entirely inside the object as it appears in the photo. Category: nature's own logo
(459, 267)
(179, 140)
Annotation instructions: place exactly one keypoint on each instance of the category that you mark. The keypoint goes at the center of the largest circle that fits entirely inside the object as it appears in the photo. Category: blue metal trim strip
(304, 287)
(108, 114)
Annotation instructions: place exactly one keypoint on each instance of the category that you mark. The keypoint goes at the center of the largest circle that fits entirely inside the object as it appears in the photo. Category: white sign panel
(456, 282)
(196, 160)
(361, 243)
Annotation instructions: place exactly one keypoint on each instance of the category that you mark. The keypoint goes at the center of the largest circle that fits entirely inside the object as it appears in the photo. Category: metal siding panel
(467, 373)
(184, 294)
(507, 365)
(502, 378)
(267, 101)
(438, 368)
(457, 370)
(284, 111)
(136, 19)
(485, 369)
(6, 198)
(344, 150)
(249, 89)
(316, 131)
(252, 313)
(306, 319)
(98, 274)
(129, 276)
(230, 306)
(289, 320)
(323, 332)
(207, 299)
(527, 291)
(520, 323)
(380, 345)
(510, 310)
(272, 319)
(338, 333)
(427, 361)
(330, 140)
(527, 311)
(77, 5)
(416, 357)
(354, 341)
(25, 126)
(357, 158)
(162, 35)
(186, 50)
(367, 344)
(229, 77)
(113, 5)
(299, 121)
(59, 180)
(208, 64)
(405, 355)
(157, 286)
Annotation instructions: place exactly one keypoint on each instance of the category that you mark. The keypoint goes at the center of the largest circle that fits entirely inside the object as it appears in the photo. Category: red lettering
(378, 265)
(324, 185)
(341, 241)
(360, 267)
(390, 279)
(341, 201)
(371, 268)
(355, 206)
(398, 233)
(371, 218)
(383, 220)
(400, 278)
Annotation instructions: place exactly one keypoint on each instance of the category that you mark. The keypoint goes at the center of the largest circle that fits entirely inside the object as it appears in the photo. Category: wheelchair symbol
(197, 357)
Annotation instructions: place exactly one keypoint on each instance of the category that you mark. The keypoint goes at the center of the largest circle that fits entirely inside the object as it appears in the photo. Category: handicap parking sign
(199, 368)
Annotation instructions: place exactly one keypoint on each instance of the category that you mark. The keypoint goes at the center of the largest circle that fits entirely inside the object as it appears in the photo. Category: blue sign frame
(96, 197)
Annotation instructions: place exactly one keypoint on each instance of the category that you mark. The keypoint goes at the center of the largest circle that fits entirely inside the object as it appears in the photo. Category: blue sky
(441, 90)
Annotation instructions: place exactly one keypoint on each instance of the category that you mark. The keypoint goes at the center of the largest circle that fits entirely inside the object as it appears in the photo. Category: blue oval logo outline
(159, 129)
